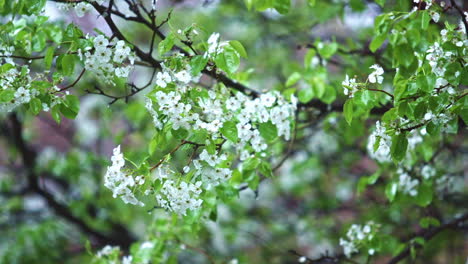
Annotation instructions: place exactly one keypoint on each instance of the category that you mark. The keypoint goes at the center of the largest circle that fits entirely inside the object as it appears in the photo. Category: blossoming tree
(134, 132)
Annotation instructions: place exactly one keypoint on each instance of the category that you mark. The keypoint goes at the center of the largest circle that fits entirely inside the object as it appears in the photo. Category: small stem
(170, 153)
(72, 84)
(461, 96)
(382, 91)
(201, 251)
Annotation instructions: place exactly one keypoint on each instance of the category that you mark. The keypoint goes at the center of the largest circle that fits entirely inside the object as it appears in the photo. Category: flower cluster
(209, 114)
(269, 107)
(16, 83)
(215, 46)
(180, 197)
(108, 59)
(180, 78)
(106, 251)
(81, 8)
(5, 52)
(219, 116)
(350, 86)
(112, 254)
(357, 236)
(121, 182)
(439, 57)
(447, 184)
(376, 75)
(406, 184)
(379, 144)
(427, 172)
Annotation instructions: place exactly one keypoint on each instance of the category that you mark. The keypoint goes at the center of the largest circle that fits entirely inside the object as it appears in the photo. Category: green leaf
(426, 222)
(305, 94)
(153, 144)
(228, 60)
(55, 112)
(35, 106)
(426, 82)
(399, 146)
(198, 63)
(70, 106)
(361, 186)
(282, 6)
(6, 67)
(425, 19)
(179, 133)
(403, 55)
(328, 50)
(419, 240)
(166, 44)
(214, 214)
(232, 59)
(377, 42)
(391, 190)
(404, 109)
(268, 131)
(68, 64)
(238, 47)
(7, 95)
(229, 131)
(381, 3)
(293, 79)
(265, 169)
(39, 41)
(420, 110)
(348, 110)
(55, 33)
(357, 5)
(253, 180)
(236, 177)
(424, 197)
(49, 57)
(364, 181)
(433, 129)
(248, 4)
(413, 252)
(251, 164)
(329, 95)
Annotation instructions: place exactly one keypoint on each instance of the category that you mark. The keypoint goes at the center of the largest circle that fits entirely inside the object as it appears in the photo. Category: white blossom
(183, 76)
(108, 59)
(82, 8)
(118, 181)
(435, 16)
(376, 75)
(180, 198)
(428, 172)
(356, 236)
(382, 153)
(107, 250)
(406, 184)
(349, 86)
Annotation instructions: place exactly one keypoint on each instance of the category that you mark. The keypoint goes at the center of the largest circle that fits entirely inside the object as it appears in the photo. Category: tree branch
(120, 236)
(427, 234)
